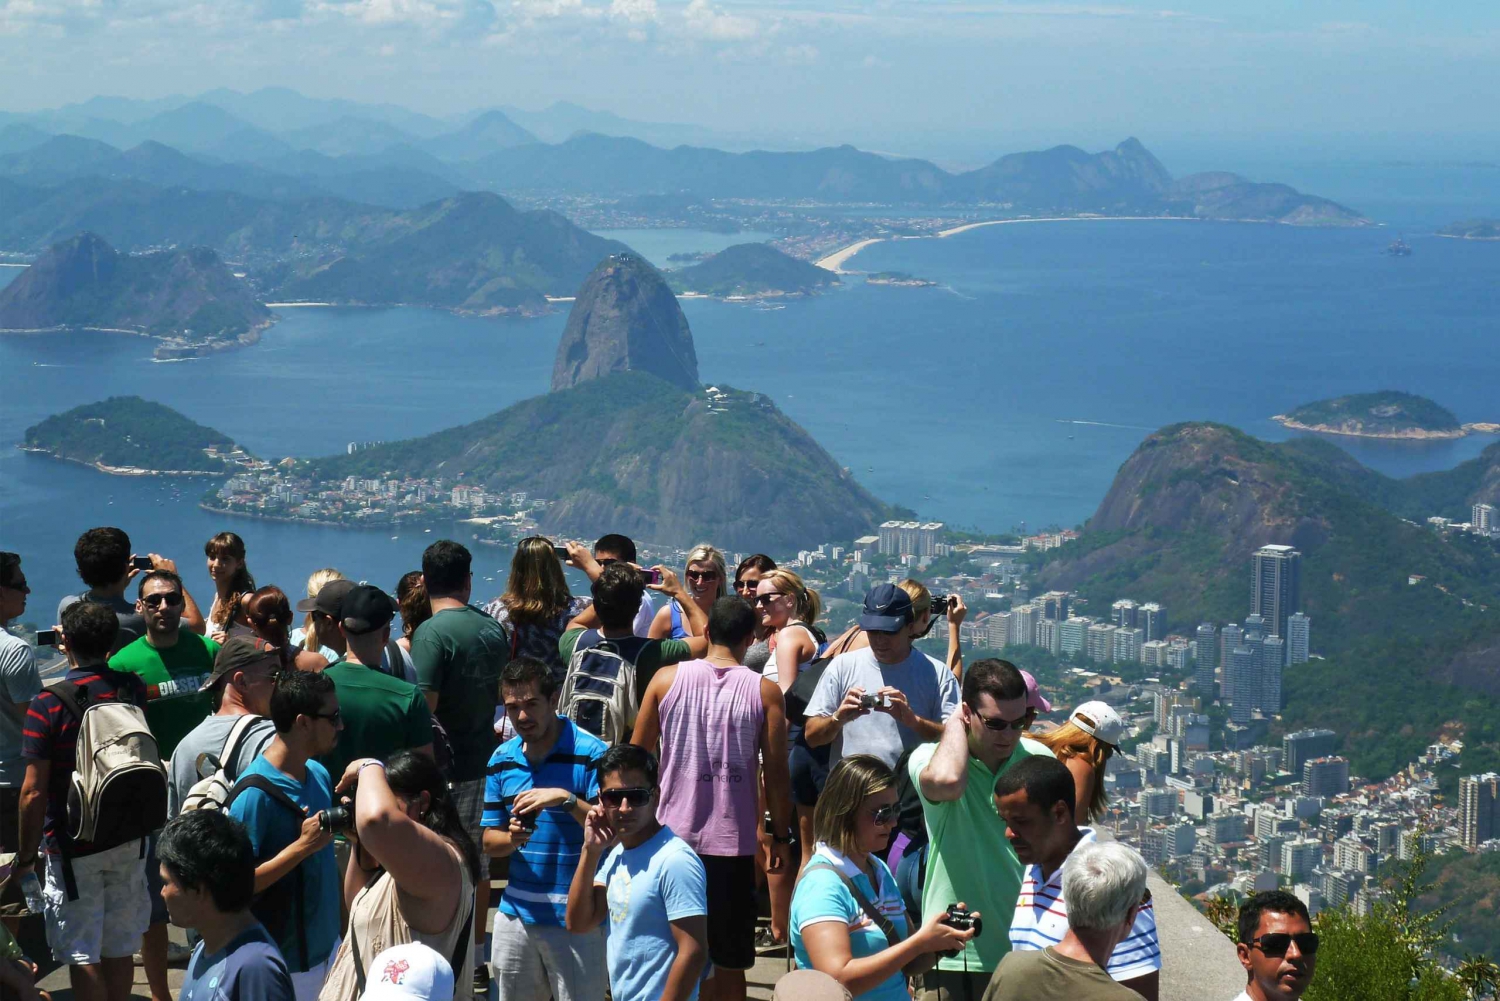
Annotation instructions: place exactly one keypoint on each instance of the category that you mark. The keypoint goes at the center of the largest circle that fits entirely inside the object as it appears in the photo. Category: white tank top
(771, 671)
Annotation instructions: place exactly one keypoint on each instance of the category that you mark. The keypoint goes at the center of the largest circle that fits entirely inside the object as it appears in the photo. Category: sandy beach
(835, 261)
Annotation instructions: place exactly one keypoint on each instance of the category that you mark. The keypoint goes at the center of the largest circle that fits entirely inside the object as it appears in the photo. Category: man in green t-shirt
(381, 713)
(956, 780)
(174, 663)
(617, 595)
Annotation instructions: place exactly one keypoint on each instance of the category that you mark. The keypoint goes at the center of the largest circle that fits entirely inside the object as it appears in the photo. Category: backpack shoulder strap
(886, 926)
(268, 787)
(71, 696)
(230, 752)
(393, 659)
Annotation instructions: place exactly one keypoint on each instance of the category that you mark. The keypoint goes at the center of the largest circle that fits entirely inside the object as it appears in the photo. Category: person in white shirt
(1277, 947)
(1035, 799)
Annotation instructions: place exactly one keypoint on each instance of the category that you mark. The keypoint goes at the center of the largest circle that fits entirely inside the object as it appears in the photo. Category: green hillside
(751, 269)
(1386, 413)
(129, 431)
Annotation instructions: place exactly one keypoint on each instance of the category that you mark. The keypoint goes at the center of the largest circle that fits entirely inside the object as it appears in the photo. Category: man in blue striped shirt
(537, 792)
(1036, 801)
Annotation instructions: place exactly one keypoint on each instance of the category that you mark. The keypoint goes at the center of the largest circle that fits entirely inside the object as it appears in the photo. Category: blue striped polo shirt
(541, 871)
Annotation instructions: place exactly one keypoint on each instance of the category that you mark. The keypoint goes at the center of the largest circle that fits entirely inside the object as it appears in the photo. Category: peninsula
(129, 436)
(1386, 414)
(751, 270)
(1472, 229)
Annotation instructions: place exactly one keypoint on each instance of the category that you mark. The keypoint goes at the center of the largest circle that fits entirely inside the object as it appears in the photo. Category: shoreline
(109, 470)
(1414, 434)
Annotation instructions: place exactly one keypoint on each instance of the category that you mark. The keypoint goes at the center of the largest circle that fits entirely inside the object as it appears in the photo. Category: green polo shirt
(181, 669)
(968, 837)
(381, 715)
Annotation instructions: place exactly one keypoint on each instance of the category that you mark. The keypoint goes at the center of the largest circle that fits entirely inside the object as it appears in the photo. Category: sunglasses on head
(996, 723)
(636, 796)
(883, 815)
(171, 599)
(1277, 943)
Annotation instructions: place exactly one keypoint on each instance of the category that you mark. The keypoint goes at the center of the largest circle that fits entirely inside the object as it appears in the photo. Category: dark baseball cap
(328, 598)
(365, 609)
(887, 610)
(240, 653)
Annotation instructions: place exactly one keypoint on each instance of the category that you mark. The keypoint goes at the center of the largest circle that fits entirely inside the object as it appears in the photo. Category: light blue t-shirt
(249, 968)
(929, 687)
(19, 682)
(647, 888)
(822, 896)
(272, 827)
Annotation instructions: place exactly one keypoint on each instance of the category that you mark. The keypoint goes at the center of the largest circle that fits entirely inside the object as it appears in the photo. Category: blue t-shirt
(272, 827)
(822, 896)
(541, 872)
(249, 968)
(647, 888)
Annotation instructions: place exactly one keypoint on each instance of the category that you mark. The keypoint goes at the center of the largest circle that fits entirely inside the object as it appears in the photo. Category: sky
(962, 79)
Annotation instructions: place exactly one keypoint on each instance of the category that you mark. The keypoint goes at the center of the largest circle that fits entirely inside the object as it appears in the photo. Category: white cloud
(802, 55)
(706, 22)
(634, 11)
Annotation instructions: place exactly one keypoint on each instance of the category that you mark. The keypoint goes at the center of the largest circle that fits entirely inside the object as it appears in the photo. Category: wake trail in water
(1105, 424)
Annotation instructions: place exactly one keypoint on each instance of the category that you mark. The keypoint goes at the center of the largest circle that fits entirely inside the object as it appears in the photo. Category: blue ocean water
(956, 401)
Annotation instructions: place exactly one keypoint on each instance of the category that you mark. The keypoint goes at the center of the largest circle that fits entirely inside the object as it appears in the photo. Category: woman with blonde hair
(232, 585)
(311, 635)
(1085, 743)
(537, 605)
(707, 578)
(846, 880)
(270, 616)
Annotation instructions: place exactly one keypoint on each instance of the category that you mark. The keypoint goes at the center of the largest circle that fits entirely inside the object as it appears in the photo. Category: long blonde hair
(1068, 741)
(921, 598)
(704, 553)
(536, 592)
(315, 582)
(850, 783)
(808, 604)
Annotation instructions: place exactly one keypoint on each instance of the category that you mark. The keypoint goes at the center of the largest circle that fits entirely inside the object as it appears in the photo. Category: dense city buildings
(909, 538)
(1478, 799)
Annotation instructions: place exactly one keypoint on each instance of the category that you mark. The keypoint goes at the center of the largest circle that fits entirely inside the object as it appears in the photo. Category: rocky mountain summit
(625, 319)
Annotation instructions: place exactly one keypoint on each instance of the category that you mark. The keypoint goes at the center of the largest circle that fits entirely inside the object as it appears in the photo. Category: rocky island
(129, 436)
(187, 299)
(1386, 414)
(900, 279)
(752, 270)
(1472, 229)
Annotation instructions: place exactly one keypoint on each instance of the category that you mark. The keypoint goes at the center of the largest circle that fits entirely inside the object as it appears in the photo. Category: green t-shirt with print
(181, 669)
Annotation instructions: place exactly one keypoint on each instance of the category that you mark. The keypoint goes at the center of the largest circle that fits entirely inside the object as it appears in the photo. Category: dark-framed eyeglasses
(1276, 944)
(996, 723)
(333, 717)
(634, 795)
(702, 575)
(768, 599)
(883, 816)
(169, 598)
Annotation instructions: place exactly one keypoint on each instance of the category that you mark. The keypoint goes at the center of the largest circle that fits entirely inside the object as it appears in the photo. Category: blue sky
(959, 79)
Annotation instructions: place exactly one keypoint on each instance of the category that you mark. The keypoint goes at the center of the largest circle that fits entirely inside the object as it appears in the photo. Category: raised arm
(417, 857)
(947, 773)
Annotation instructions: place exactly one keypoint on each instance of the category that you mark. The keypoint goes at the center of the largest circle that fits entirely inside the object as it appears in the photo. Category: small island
(1386, 414)
(1472, 229)
(751, 271)
(898, 278)
(129, 436)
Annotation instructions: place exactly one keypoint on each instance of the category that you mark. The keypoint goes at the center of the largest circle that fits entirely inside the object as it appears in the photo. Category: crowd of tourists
(323, 804)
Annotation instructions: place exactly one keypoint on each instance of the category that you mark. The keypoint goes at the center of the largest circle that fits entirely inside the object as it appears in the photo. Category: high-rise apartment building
(1477, 797)
(1325, 777)
(1154, 653)
(1127, 645)
(1298, 638)
(1023, 620)
(1055, 605)
(1208, 659)
(1483, 518)
(1272, 657)
(1244, 686)
(1301, 747)
(1074, 633)
(1153, 619)
(1275, 586)
(1124, 613)
(997, 630)
(909, 538)
(1229, 638)
(1353, 855)
(1300, 857)
(1049, 635)
(1101, 642)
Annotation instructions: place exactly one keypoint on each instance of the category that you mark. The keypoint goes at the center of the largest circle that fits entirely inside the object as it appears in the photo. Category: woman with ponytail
(232, 585)
(270, 617)
(412, 873)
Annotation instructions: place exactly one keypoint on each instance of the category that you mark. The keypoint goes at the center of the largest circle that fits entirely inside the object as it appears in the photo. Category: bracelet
(790, 839)
(367, 764)
(19, 861)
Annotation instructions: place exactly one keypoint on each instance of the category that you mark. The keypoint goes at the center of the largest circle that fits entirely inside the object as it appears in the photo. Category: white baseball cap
(408, 971)
(1099, 721)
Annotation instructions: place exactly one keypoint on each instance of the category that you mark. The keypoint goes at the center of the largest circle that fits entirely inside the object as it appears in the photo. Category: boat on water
(1399, 248)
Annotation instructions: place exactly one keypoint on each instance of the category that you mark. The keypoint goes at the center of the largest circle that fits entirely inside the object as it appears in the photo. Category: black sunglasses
(171, 599)
(883, 815)
(636, 796)
(702, 575)
(332, 717)
(1277, 943)
(24, 588)
(996, 723)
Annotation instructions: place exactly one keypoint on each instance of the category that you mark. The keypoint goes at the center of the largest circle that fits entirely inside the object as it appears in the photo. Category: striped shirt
(1041, 920)
(51, 735)
(542, 869)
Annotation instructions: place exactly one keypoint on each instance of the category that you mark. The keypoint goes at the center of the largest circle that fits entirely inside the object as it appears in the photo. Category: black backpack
(279, 906)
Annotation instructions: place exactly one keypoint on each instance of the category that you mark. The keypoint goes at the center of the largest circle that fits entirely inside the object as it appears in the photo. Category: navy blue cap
(887, 610)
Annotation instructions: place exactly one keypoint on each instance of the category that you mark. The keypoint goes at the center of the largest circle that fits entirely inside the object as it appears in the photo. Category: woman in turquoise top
(831, 930)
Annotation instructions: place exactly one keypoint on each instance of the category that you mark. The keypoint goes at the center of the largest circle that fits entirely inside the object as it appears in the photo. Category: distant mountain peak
(625, 319)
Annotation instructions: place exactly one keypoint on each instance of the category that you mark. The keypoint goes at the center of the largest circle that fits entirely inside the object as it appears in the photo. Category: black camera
(336, 819)
(962, 919)
(940, 603)
(527, 820)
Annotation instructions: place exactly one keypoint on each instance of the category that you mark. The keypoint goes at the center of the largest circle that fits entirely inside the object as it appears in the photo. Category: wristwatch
(789, 839)
(570, 802)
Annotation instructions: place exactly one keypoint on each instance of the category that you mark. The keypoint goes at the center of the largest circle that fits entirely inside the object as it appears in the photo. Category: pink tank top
(711, 720)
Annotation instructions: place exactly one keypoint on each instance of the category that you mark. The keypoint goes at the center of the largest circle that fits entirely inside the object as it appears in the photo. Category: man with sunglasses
(1036, 799)
(19, 684)
(650, 887)
(1277, 947)
(956, 778)
(174, 663)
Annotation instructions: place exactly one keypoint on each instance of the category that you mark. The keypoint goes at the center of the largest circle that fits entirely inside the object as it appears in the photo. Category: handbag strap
(885, 924)
(460, 948)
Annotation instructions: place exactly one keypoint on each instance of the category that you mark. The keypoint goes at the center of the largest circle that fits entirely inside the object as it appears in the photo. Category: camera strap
(885, 924)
